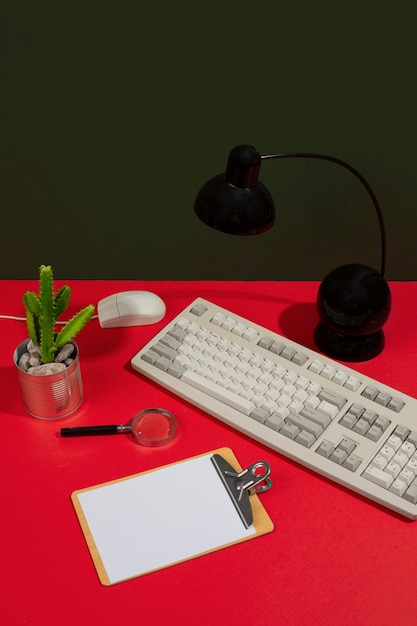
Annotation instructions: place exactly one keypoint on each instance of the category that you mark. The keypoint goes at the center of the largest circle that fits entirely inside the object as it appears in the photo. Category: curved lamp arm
(352, 170)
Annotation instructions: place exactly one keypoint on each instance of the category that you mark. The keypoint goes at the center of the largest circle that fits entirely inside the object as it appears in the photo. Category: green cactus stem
(42, 312)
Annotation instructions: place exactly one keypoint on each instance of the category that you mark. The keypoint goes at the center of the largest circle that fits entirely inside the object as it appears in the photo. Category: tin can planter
(53, 396)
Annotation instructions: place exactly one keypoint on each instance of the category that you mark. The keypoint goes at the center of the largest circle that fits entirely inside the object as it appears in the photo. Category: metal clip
(240, 485)
(252, 479)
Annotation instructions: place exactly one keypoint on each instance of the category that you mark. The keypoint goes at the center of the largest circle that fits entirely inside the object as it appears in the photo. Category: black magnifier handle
(93, 430)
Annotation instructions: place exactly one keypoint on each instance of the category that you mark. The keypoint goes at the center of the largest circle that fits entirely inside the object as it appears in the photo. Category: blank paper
(152, 520)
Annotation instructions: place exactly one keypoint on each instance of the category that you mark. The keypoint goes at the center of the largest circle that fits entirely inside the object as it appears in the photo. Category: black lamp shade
(236, 202)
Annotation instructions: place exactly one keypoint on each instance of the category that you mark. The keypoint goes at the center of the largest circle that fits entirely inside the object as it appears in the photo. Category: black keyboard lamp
(353, 300)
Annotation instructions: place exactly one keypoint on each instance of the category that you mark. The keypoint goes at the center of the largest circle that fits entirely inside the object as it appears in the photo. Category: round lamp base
(348, 348)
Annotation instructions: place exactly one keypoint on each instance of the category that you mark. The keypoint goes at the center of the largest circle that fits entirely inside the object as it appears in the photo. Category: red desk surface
(333, 556)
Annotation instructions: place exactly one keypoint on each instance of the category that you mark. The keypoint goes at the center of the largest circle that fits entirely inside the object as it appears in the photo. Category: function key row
(284, 351)
(338, 376)
(383, 398)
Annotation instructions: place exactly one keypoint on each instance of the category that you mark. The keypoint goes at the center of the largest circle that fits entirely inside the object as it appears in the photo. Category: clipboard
(151, 520)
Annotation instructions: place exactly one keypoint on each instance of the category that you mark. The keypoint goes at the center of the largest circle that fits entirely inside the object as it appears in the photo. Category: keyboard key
(300, 358)
(349, 420)
(239, 329)
(163, 363)
(288, 353)
(402, 432)
(395, 405)
(328, 371)
(316, 366)
(276, 347)
(394, 442)
(245, 355)
(315, 416)
(282, 411)
(400, 458)
(379, 461)
(290, 377)
(370, 392)
(398, 487)
(383, 398)
(311, 402)
(290, 430)
(302, 383)
(314, 389)
(387, 452)
(352, 463)
(218, 319)
(374, 433)
(361, 427)
(274, 421)
(408, 448)
(412, 438)
(228, 323)
(353, 383)
(332, 397)
(412, 466)
(325, 449)
(328, 409)
(267, 366)
(300, 396)
(175, 370)
(250, 334)
(339, 456)
(378, 477)
(198, 309)
(266, 342)
(305, 424)
(357, 410)
(406, 476)
(393, 468)
(305, 439)
(284, 400)
(369, 416)
(382, 422)
(347, 445)
(411, 494)
(150, 356)
(260, 415)
(340, 377)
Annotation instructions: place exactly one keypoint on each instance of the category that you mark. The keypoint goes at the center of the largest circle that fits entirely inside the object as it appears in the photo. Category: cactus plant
(42, 312)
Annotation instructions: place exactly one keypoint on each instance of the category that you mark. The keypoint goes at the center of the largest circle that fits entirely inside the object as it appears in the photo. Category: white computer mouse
(130, 308)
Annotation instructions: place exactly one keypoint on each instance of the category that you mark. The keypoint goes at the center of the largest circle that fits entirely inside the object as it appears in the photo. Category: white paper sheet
(156, 519)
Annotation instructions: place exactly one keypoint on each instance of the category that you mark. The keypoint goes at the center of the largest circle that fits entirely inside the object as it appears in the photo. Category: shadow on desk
(298, 322)
(10, 402)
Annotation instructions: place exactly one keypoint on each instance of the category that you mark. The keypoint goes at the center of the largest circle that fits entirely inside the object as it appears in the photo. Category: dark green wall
(112, 114)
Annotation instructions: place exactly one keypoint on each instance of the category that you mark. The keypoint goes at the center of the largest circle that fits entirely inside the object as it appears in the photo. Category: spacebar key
(217, 392)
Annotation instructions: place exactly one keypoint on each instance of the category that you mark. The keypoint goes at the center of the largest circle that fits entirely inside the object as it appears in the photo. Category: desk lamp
(353, 300)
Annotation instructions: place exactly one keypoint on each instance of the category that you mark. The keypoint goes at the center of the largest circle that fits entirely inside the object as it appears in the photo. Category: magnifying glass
(150, 427)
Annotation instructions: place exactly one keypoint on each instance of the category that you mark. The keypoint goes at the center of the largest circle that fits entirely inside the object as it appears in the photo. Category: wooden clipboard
(155, 519)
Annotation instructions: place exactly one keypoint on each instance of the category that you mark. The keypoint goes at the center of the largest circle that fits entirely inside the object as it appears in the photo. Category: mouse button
(131, 303)
(107, 310)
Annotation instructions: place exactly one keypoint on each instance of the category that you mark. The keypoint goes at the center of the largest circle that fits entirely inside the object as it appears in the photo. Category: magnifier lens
(154, 427)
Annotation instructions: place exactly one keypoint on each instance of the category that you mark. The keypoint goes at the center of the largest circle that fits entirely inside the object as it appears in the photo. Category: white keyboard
(342, 424)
